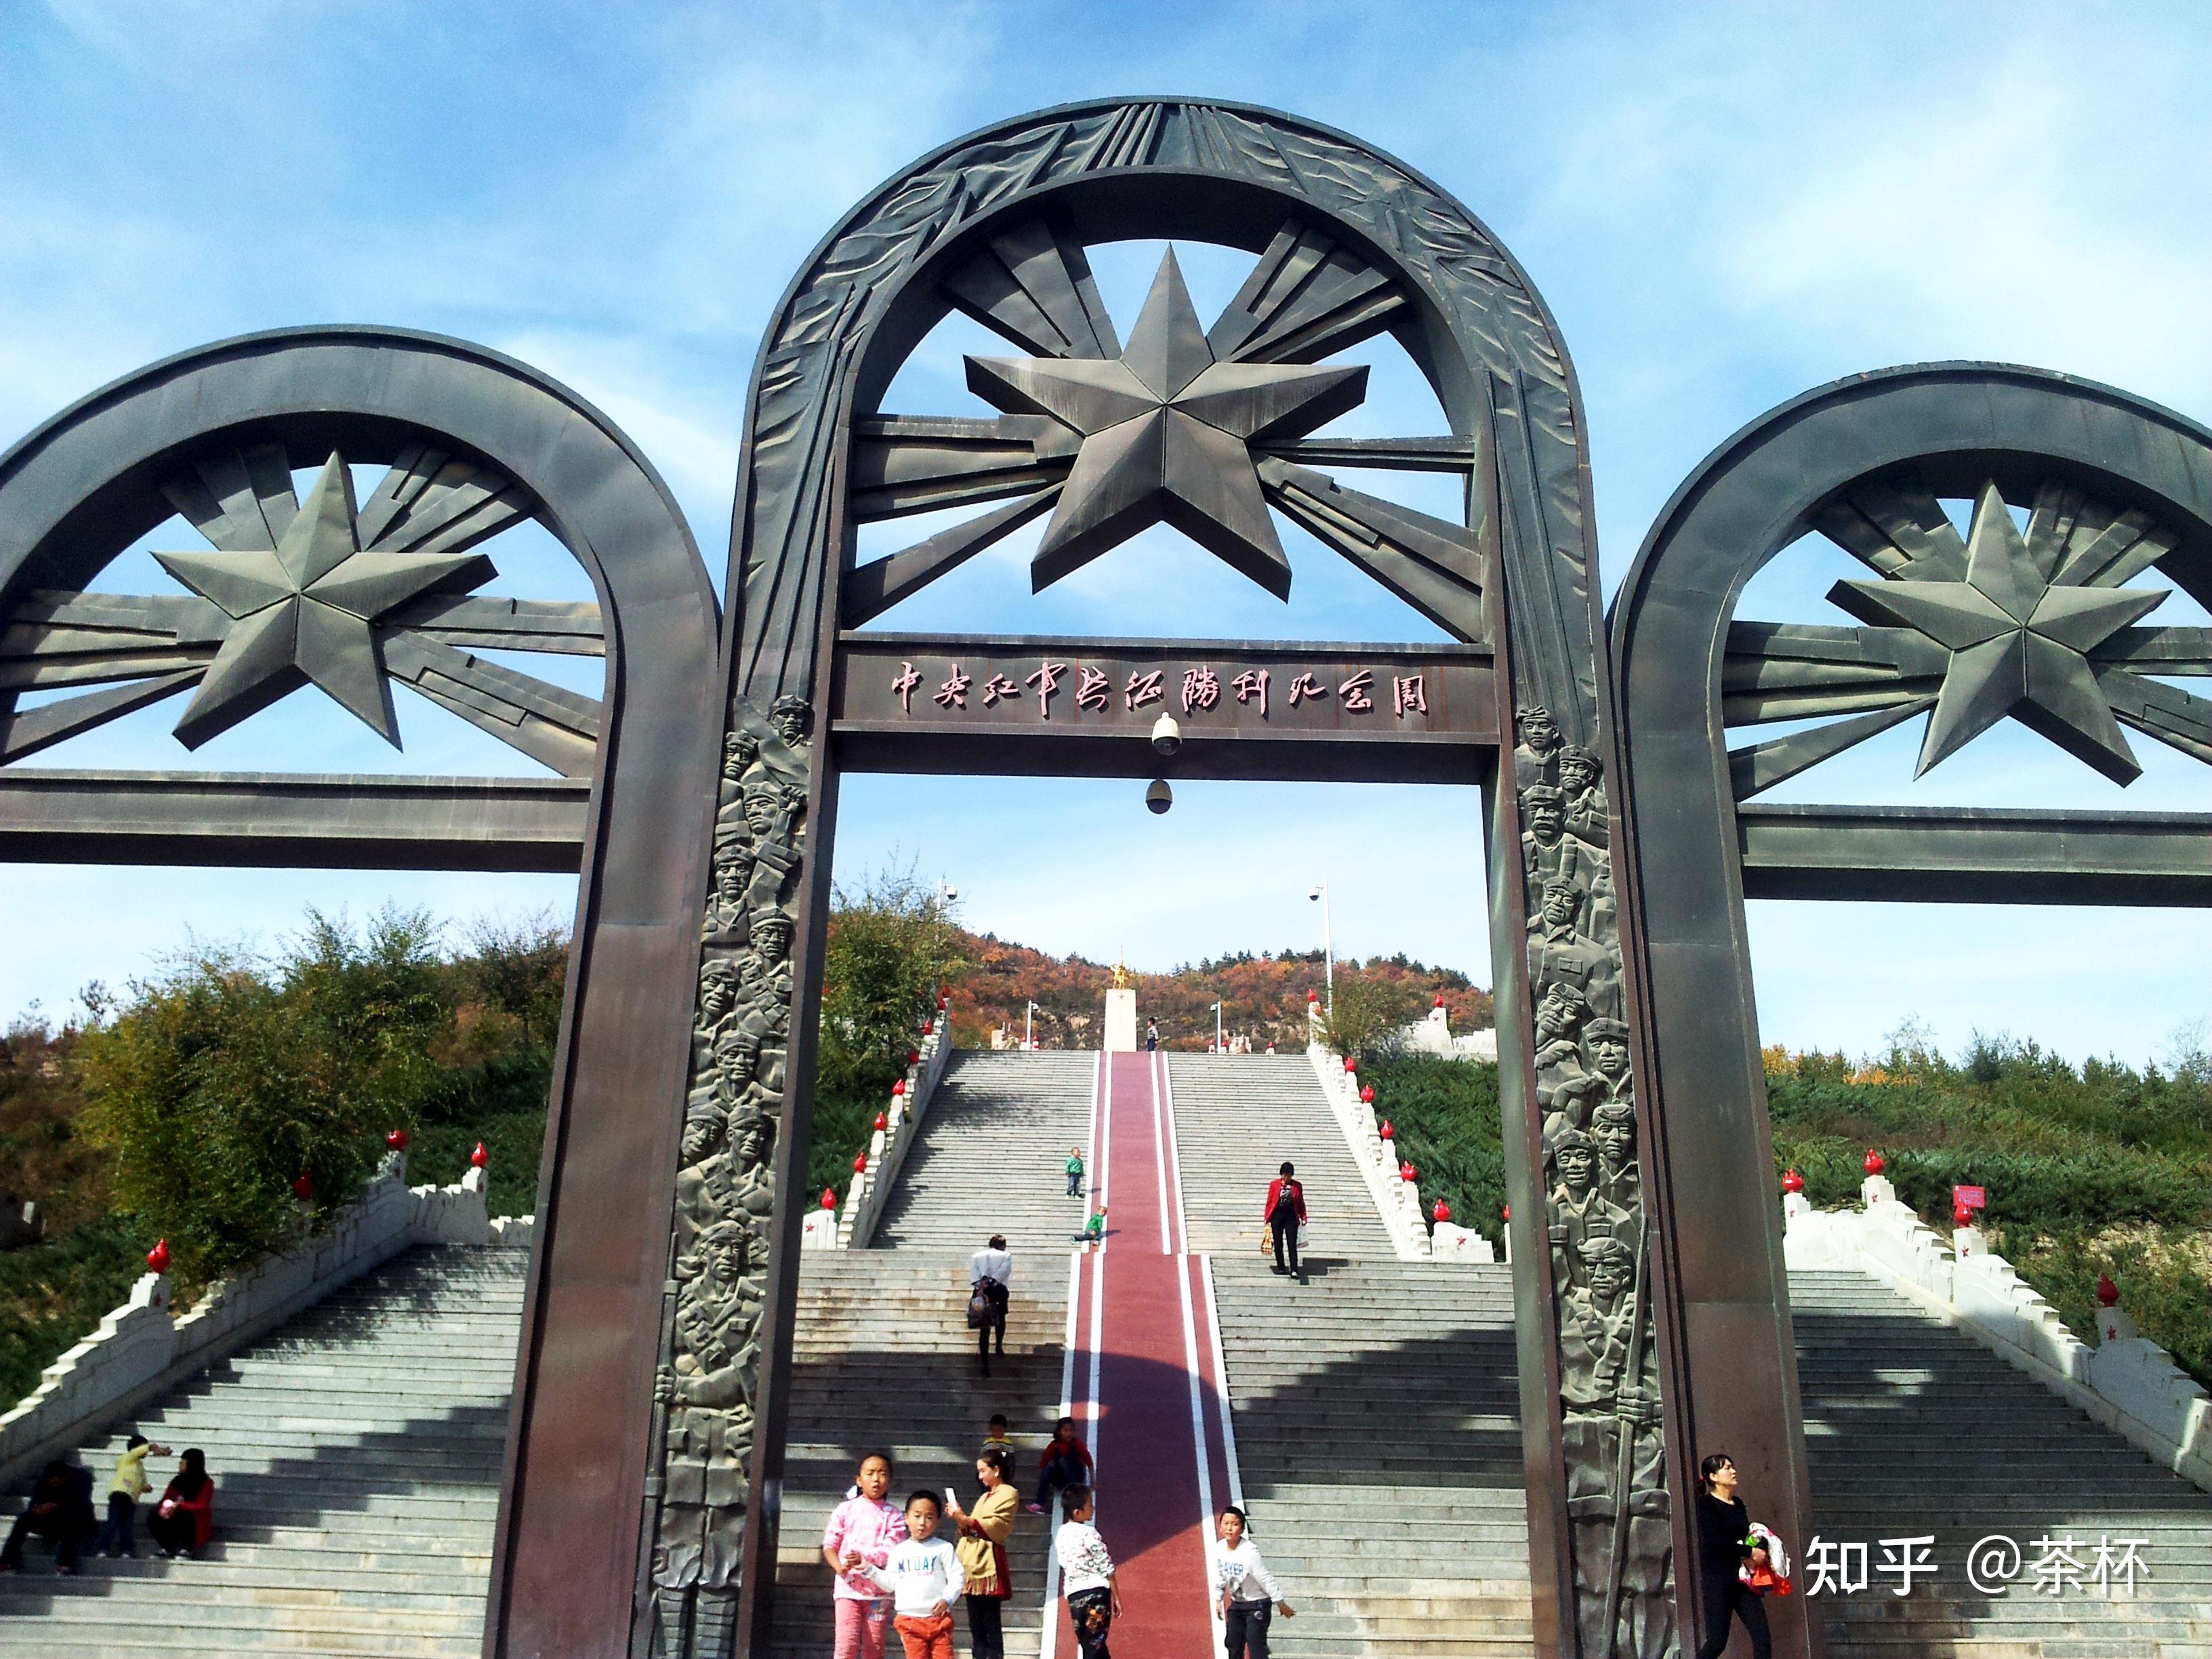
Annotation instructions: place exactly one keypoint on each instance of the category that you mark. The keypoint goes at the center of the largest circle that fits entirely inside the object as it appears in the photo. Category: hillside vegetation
(2099, 1168)
(1263, 997)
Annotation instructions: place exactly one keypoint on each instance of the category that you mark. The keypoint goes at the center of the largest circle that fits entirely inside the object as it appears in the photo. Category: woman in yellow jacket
(982, 1552)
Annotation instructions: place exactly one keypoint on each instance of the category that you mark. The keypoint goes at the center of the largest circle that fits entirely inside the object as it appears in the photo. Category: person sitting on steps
(184, 1521)
(1285, 1214)
(1066, 1462)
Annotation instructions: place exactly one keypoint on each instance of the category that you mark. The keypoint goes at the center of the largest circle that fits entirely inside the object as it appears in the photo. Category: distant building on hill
(1433, 1035)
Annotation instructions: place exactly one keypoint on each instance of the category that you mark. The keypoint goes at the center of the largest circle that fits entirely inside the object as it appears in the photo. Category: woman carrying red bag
(184, 1521)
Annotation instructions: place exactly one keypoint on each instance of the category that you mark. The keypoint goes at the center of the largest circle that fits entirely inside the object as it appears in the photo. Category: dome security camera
(1158, 798)
(1167, 737)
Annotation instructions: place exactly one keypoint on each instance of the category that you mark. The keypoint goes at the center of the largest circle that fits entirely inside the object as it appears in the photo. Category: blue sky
(1725, 205)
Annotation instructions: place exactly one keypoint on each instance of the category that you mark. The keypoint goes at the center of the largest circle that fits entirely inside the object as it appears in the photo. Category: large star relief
(300, 611)
(2019, 644)
(1166, 433)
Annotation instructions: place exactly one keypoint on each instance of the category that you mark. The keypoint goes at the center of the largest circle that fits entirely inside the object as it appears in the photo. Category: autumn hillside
(1264, 996)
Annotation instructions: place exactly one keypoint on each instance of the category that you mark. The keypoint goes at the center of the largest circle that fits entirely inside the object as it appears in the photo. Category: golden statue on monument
(1121, 975)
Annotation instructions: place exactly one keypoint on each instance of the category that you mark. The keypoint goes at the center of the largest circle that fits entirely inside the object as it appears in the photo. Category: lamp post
(946, 894)
(1219, 1046)
(1029, 1027)
(1328, 947)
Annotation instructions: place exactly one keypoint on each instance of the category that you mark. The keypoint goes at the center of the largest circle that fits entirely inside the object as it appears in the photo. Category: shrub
(1445, 1114)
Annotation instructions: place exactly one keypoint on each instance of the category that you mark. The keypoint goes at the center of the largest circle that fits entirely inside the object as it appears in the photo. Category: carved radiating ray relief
(344, 596)
(2028, 622)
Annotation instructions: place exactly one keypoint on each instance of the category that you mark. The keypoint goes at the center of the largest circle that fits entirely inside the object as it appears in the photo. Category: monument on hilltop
(1121, 1012)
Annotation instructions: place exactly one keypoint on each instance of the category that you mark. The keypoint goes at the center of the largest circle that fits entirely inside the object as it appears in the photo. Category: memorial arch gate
(644, 1468)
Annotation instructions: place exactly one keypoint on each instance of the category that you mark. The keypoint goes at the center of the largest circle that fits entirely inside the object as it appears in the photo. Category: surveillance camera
(951, 894)
(1314, 894)
(1167, 738)
(1159, 797)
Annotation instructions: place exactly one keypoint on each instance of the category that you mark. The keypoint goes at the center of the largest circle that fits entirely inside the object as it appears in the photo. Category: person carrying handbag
(990, 1270)
(1285, 1215)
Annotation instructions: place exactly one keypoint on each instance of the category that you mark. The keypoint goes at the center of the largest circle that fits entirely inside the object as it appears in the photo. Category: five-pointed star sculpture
(301, 611)
(1166, 431)
(2019, 644)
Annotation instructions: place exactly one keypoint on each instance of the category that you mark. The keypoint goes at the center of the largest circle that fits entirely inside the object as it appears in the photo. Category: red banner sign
(1974, 1198)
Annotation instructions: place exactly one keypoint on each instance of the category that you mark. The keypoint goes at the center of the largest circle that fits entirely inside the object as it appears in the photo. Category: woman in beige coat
(982, 1550)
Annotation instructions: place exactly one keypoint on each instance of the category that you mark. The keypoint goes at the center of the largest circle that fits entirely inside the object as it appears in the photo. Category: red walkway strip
(1154, 1417)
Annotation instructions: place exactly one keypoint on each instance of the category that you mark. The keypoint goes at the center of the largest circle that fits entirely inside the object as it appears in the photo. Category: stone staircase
(1378, 1434)
(1375, 1406)
(885, 1362)
(1239, 1118)
(356, 1453)
(992, 1156)
(1913, 1428)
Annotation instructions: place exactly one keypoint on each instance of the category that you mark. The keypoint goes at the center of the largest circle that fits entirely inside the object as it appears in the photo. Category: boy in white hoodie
(924, 1578)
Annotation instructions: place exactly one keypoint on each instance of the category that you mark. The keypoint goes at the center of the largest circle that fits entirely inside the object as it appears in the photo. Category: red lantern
(1442, 1212)
(1961, 1215)
(943, 1003)
(898, 1089)
(1367, 1095)
(1875, 1162)
(1440, 999)
(928, 1027)
(479, 1158)
(396, 1140)
(2108, 1294)
(1387, 1131)
(1406, 1171)
(859, 1163)
(1350, 1064)
(1792, 1181)
(303, 1188)
(828, 1197)
(1507, 1212)
(881, 1123)
(1312, 997)
(157, 1260)
(914, 1056)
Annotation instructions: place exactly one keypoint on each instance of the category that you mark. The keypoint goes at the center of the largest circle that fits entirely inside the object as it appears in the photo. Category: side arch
(1959, 425)
(86, 483)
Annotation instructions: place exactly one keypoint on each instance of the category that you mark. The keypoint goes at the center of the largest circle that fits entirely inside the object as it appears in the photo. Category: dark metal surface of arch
(1601, 1528)
(86, 483)
(1692, 852)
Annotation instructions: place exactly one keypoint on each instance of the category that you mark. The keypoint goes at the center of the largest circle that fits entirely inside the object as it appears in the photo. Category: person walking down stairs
(991, 1270)
(1286, 1214)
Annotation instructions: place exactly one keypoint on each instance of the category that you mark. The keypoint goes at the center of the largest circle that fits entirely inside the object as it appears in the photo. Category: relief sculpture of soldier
(1611, 1433)
(725, 1190)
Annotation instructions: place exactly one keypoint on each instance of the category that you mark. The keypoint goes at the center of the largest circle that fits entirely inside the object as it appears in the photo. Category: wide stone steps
(1378, 1438)
(1913, 1428)
(991, 1157)
(356, 1456)
(1238, 1118)
(911, 1387)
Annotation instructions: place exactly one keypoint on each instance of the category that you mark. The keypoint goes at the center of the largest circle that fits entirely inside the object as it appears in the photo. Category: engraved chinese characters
(1612, 1441)
(724, 1189)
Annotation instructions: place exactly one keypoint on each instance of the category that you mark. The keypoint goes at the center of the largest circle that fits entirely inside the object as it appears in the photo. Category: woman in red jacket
(184, 1521)
(1286, 1214)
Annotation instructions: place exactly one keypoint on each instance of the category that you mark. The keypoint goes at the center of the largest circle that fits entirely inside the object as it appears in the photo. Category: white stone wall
(2130, 1384)
(853, 1225)
(143, 1349)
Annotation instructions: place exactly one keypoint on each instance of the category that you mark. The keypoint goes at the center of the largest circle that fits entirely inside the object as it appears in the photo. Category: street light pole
(1219, 1046)
(1029, 1027)
(1327, 946)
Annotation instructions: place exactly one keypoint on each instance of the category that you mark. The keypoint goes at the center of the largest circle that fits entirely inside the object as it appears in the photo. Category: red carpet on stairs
(1144, 1383)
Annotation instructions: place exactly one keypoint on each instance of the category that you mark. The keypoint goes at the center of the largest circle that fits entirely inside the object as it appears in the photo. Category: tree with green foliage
(1370, 1010)
(223, 1081)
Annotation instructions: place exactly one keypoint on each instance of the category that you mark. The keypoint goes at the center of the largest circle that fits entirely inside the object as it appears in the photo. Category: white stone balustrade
(2127, 1383)
(854, 1223)
(1398, 1201)
(141, 1349)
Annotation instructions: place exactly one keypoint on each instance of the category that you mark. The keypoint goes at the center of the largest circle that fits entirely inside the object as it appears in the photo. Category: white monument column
(1121, 1013)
